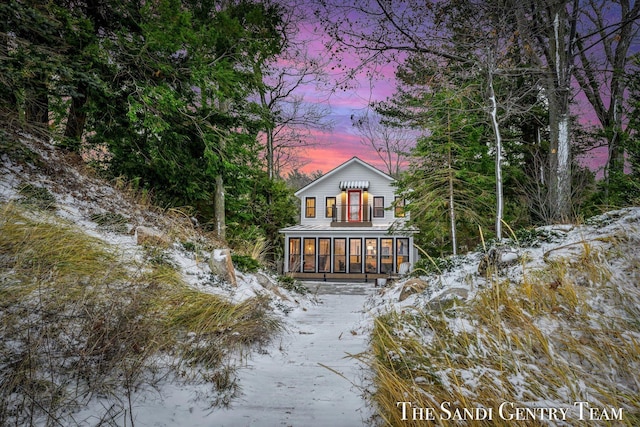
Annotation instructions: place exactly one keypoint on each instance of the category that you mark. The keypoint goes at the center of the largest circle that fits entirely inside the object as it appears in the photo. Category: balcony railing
(351, 215)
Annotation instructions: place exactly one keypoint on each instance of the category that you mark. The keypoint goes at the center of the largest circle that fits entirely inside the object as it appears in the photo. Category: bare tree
(390, 143)
(288, 116)
(493, 114)
(473, 38)
(547, 31)
(546, 36)
(604, 48)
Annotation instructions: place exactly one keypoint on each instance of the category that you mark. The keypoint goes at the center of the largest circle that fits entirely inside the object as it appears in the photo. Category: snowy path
(287, 386)
(290, 387)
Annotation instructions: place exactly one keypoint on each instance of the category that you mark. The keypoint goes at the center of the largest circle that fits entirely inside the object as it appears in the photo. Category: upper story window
(331, 207)
(310, 207)
(378, 207)
(399, 207)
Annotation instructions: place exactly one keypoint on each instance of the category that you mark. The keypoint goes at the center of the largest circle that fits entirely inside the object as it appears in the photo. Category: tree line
(202, 102)
(499, 89)
(188, 99)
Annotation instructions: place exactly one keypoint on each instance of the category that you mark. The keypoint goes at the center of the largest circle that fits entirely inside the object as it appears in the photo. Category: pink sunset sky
(334, 147)
(343, 142)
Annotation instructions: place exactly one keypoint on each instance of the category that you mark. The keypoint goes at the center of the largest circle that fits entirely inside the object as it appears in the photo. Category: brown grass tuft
(78, 322)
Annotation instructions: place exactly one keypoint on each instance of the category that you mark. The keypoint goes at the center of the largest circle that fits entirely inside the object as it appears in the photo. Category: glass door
(340, 255)
(371, 259)
(355, 255)
(402, 252)
(324, 255)
(294, 254)
(354, 206)
(309, 255)
(386, 256)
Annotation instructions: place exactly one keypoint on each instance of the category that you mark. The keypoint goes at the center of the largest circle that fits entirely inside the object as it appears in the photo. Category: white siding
(329, 186)
(378, 184)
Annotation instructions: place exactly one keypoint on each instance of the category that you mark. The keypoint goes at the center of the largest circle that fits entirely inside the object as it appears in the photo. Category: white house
(345, 227)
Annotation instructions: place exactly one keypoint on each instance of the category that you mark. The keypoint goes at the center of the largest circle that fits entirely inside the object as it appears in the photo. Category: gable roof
(343, 166)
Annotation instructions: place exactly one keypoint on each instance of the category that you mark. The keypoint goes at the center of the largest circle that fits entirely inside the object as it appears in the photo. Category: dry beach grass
(79, 321)
(545, 335)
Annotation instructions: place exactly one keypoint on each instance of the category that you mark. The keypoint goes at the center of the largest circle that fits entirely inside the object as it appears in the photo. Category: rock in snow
(221, 265)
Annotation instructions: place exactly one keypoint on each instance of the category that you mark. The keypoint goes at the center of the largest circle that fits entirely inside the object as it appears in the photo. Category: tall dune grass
(567, 333)
(79, 322)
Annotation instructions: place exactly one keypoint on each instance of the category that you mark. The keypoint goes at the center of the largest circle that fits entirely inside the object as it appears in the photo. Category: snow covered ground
(551, 328)
(571, 290)
(305, 377)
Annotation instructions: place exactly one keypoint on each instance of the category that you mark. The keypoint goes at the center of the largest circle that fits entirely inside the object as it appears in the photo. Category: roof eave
(337, 168)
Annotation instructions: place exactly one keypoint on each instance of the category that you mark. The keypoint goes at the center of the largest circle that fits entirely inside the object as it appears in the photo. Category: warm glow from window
(310, 207)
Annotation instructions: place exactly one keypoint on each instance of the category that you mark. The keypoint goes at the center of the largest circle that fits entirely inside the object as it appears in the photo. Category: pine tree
(449, 183)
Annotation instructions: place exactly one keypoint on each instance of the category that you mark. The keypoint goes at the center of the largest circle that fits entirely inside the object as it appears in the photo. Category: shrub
(245, 263)
(436, 265)
(40, 197)
(564, 333)
(111, 221)
(291, 284)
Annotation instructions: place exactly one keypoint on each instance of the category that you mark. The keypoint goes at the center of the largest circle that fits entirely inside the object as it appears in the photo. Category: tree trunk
(558, 91)
(550, 27)
(493, 114)
(269, 132)
(268, 120)
(452, 207)
(219, 208)
(76, 119)
(452, 210)
(218, 199)
(614, 168)
(559, 164)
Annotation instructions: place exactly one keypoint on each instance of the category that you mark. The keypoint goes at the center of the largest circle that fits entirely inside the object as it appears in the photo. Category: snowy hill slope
(547, 332)
(92, 319)
(112, 211)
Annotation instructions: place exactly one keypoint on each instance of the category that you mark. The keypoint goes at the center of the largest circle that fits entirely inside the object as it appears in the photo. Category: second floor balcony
(353, 215)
